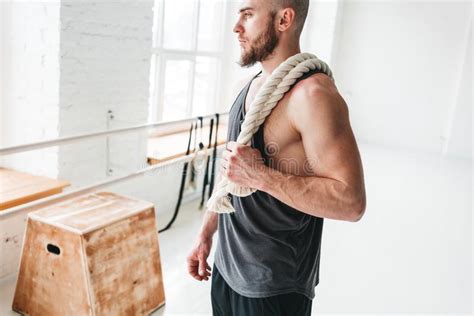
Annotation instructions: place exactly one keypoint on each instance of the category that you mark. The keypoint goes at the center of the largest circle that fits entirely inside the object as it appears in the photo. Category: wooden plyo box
(96, 254)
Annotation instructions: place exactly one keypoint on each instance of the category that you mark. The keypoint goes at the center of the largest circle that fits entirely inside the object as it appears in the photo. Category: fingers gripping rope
(272, 91)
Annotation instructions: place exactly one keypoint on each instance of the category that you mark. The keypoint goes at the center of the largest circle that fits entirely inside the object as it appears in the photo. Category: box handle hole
(53, 249)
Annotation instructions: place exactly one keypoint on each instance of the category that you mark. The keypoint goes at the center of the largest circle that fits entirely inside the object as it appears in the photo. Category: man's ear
(286, 19)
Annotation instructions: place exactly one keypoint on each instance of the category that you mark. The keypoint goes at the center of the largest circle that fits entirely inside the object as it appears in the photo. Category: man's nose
(237, 27)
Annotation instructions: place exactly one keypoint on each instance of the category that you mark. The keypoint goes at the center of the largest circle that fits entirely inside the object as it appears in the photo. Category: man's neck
(278, 56)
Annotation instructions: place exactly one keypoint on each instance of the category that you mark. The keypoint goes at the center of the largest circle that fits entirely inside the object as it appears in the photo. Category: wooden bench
(18, 188)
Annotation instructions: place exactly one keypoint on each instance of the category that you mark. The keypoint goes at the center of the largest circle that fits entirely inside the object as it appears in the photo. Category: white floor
(184, 295)
(410, 254)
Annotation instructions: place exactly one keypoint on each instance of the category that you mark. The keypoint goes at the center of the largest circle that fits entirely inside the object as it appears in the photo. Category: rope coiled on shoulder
(272, 91)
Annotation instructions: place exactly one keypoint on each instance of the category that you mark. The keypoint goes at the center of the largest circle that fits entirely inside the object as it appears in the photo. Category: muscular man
(304, 163)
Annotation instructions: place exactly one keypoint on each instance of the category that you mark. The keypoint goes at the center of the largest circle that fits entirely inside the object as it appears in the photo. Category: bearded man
(304, 163)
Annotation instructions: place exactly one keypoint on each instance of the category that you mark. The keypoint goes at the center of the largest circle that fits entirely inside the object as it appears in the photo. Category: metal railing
(80, 137)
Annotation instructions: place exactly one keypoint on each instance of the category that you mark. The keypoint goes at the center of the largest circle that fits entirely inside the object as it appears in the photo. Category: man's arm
(209, 225)
(321, 117)
(197, 264)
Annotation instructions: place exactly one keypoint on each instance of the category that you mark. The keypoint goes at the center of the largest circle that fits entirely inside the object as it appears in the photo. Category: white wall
(105, 64)
(459, 121)
(30, 76)
(319, 33)
(398, 67)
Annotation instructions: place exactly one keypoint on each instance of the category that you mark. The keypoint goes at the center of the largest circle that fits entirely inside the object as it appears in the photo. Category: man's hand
(197, 264)
(242, 164)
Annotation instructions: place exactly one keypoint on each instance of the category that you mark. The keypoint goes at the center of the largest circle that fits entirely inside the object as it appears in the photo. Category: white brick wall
(30, 76)
(105, 64)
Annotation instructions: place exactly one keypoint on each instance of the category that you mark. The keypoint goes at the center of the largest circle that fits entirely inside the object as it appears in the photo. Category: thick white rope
(272, 91)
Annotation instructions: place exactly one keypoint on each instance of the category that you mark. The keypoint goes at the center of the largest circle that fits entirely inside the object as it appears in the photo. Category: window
(186, 58)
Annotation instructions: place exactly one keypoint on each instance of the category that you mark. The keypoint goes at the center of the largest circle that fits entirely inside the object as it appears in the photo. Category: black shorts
(227, 302)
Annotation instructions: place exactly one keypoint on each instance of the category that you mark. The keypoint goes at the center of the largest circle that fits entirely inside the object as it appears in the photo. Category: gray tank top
(266, 247)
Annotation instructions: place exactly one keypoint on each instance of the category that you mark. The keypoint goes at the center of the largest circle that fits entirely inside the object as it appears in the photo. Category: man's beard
(263, 47)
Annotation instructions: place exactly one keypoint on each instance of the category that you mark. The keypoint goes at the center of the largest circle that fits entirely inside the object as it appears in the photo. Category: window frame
(161, 55)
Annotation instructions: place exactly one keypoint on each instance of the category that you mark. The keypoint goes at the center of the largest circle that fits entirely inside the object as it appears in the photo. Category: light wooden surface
(90, 212)
(18, 188)
(96, 254)
(167, 147)
(45, 278)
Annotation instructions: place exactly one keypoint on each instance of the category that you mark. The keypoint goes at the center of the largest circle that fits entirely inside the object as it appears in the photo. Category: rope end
(221, 205)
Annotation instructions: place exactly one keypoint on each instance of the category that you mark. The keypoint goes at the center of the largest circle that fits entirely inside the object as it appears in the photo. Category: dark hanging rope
(183, 180)
(208, 180)
(214, 156)
(205, 182)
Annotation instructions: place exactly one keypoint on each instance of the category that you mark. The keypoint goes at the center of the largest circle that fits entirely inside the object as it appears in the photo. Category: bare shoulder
(315, 96)
(315, 84)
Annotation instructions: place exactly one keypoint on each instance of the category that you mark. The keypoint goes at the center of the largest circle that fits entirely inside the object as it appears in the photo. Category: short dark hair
(301, 11)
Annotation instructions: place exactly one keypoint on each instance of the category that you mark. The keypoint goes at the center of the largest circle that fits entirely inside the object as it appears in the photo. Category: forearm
(209, 225)
(316, 196)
